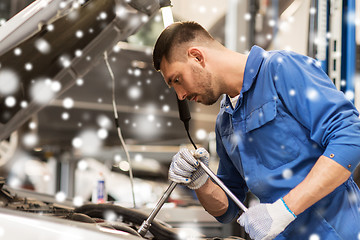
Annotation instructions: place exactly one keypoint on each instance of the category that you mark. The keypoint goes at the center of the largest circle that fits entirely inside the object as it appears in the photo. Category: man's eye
(176, 80)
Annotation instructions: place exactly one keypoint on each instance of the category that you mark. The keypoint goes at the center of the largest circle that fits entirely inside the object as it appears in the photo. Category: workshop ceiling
(147, 109)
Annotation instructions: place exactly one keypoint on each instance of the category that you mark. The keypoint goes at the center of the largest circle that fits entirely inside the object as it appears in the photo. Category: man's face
(190, 80)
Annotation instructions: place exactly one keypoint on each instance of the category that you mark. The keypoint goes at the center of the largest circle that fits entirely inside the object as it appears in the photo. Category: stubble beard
(205, 83)
(208, 96)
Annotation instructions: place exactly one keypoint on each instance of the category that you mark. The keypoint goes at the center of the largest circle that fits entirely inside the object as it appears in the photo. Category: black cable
(188, 133)
(184, 114)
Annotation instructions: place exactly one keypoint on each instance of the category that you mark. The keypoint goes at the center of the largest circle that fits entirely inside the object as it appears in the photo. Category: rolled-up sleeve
(311, 97)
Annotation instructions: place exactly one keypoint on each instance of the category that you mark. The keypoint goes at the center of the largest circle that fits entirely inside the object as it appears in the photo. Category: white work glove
(185, 168)
(266, 221)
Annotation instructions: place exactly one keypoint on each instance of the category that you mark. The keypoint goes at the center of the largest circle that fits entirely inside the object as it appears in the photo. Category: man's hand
(266, 221)
(185, 168)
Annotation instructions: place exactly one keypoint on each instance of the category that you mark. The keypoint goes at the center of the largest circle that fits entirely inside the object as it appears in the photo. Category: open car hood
(55, 42)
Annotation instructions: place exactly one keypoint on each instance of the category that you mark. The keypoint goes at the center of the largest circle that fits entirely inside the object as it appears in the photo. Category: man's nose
(181, 94)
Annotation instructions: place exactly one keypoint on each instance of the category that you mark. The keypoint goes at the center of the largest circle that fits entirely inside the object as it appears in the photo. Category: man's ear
(197, 55)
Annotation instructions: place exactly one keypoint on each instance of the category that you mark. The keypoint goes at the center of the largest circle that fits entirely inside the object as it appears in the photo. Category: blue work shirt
(288, 114)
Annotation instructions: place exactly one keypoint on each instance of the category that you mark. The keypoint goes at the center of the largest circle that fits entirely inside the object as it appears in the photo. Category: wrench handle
(147, 223)
(222, 186)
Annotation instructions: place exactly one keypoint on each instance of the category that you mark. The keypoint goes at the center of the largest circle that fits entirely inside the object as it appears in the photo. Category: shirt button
(332, 155)
(349, 166)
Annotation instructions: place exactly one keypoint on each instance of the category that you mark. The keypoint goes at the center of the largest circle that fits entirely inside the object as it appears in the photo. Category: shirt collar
(252, 67)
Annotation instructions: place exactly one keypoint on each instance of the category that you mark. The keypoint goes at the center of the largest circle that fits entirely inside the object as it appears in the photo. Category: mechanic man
(284, 132)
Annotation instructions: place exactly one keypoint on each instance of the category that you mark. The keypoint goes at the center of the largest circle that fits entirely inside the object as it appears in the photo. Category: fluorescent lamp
(167, 16)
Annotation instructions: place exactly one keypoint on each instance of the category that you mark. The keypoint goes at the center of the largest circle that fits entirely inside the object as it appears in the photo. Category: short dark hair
(174, 35)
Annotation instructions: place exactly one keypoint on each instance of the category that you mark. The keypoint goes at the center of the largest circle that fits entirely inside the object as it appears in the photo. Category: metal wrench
(147, 223)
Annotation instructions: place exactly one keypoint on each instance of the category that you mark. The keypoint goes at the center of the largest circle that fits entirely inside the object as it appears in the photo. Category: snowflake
(137, 72)
(353, 197)
(10, 101)
(151, 117)
(55, 86)
(28, 66)
(312, 94)
(265, 54)
(287, 173)
(236, 139)
(349, 95)
(247, 16)
(82, 165)
(110, 215)
(144, 19)
(17, 51)
(292, 92)
(166, 108)
(314, 236)
(68, 103)
(103, 15)
(77, 142)
(121, 12)
(117, 158)
(102, 133)
(138, 157)
(65, 116)
(23, 104)
(78, 53)
(60, 196)
(343, 83)
(32, 125)
(312, 11)
(201, 134)
(202, 9)
(104, 122)
(88, 142)
(42, 46)
(78, 201)
(79, 81)
(30, 139)
(79, 34)
(65, 61)
(272, 23)
(134, 92)
(62, 4)
(47, 178)
(318, 63)
(50, 27)
(157, 18)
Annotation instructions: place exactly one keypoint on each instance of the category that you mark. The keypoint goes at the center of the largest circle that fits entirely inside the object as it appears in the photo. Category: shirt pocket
(268, 134)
